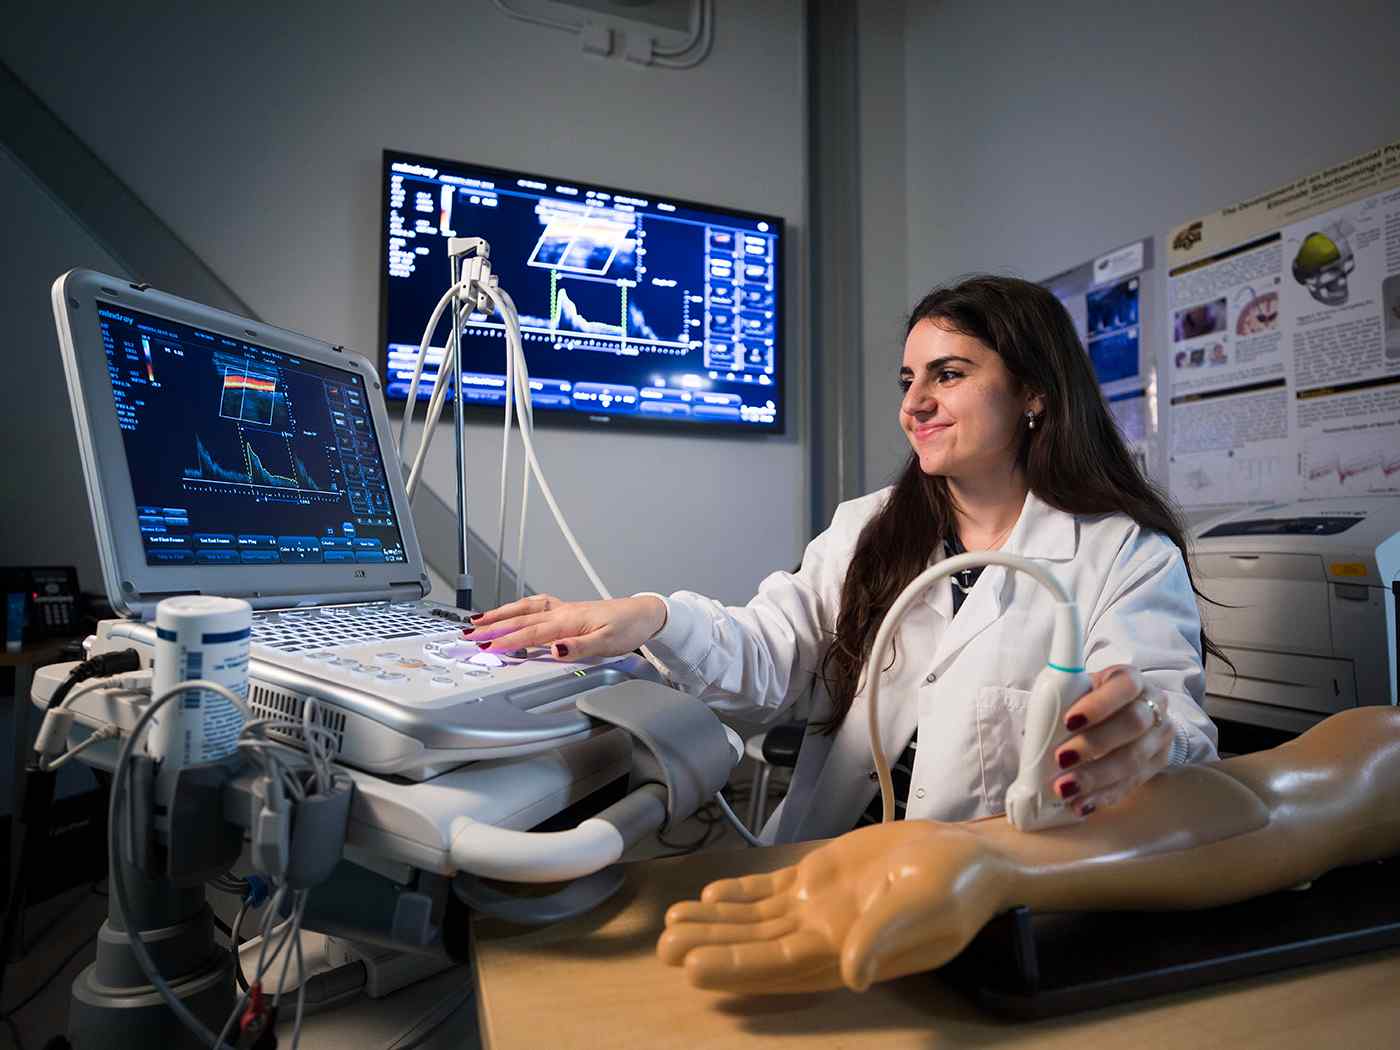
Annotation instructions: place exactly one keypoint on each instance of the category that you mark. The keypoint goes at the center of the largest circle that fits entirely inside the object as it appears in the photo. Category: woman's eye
(948, 375)
(904, 385)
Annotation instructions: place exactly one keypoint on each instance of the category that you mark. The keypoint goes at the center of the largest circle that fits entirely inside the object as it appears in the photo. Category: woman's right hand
(571, 629)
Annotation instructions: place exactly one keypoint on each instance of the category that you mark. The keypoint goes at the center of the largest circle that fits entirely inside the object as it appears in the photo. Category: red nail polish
(483, 645)
(467, 630)
(1086, 809)
(476, 616)
(1074, 723)
(1069, 789)
(563, 650)
(1068, 759)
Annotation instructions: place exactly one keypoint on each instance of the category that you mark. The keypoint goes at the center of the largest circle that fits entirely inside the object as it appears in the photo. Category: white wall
(1038, 135)
(256, 135)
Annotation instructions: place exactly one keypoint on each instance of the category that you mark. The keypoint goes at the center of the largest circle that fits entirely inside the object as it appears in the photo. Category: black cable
(123, 661)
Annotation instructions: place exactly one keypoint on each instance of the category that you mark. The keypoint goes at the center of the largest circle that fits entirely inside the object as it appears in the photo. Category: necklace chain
(963, 579)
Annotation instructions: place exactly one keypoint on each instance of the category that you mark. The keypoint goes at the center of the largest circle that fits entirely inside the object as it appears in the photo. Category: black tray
(1026, 965)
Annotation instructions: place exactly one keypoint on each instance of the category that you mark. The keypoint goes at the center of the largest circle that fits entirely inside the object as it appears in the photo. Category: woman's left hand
(1122, 739)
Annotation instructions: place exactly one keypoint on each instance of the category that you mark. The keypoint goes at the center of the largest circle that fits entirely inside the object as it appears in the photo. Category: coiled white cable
(516, 347)
(517, 381)
(1066, 644)
(428, 330)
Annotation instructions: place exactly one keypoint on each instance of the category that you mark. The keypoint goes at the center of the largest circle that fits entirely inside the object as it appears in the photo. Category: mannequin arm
(898, 898)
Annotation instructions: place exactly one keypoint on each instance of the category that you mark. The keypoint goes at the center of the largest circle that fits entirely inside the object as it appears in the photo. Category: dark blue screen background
(632, 307)
(242, 455)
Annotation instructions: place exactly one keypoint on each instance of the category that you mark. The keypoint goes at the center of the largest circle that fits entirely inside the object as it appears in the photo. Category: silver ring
(1156, 711)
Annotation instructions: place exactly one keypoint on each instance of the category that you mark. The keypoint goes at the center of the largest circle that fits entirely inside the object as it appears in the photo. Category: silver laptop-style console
(226, 456)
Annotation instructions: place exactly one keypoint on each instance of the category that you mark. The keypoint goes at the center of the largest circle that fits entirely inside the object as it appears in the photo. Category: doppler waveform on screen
(254, 472)
(567, 318)
(630, 333)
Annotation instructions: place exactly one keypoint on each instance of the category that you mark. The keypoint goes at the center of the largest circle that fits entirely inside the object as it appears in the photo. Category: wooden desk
(596, 983)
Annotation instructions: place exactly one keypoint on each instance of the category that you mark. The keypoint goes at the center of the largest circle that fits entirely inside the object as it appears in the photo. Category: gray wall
(256, 135)
(885, 234)
(1039, 135)
(37, 441)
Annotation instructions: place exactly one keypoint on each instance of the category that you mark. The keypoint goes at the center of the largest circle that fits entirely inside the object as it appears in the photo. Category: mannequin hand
(874, 904)
(571, 629)
(1117, 747)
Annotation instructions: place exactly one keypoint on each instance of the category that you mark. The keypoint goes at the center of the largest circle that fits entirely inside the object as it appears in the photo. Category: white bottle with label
(198, 636)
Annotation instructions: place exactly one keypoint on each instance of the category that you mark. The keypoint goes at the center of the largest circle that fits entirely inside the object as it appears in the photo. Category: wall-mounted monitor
(636, 308)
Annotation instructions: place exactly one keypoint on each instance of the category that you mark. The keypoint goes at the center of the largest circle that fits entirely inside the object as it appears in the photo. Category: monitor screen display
(243, 455)
(633, 308)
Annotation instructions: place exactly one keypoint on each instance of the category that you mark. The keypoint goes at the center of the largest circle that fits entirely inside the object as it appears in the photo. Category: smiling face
(962, 410)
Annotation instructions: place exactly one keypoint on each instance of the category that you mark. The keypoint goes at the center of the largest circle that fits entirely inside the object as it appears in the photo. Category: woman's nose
(918, 401)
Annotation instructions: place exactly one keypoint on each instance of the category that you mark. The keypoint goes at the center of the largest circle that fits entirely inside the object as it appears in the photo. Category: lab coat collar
(1043, 532)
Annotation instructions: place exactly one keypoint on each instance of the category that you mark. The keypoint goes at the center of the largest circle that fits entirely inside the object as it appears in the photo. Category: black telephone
(46, 596)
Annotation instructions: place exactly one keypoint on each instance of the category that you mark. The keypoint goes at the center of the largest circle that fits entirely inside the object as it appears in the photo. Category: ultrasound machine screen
(632, 307)
(242, 455)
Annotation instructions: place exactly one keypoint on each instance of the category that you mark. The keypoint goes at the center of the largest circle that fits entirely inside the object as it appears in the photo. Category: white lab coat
(963, 681)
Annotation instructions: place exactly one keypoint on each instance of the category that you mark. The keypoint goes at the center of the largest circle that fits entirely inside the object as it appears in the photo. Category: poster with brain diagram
(1282, 359)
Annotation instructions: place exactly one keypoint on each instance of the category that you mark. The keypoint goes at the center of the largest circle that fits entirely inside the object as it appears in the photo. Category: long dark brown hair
(1075, 460)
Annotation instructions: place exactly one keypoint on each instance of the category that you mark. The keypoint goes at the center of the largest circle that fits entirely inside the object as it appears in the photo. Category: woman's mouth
(925, 431)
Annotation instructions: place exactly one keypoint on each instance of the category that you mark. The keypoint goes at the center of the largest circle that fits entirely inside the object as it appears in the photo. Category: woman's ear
(1035, 402)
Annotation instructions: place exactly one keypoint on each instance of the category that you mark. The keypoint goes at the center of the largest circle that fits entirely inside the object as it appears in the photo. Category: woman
(1013, 449)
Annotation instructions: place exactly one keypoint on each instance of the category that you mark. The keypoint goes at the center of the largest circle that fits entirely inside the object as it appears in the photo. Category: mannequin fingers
(923, 957)
(900, 921)
(750, 888)
(726, 911)
(535, 603)
(679, 940)
(738, 966)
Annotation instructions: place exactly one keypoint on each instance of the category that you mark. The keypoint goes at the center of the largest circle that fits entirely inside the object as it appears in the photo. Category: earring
(1030, 420)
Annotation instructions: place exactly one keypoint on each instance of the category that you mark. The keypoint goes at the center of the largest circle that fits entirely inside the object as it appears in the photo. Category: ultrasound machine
(227, 457)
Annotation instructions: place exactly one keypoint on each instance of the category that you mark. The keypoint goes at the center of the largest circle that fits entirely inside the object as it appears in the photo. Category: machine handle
(555, 856)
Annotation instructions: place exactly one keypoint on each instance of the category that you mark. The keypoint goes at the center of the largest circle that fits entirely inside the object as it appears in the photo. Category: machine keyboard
(302, 630)
(404, 654)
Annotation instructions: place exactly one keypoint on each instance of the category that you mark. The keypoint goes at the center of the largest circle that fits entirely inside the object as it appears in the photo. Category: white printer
(1307, 595)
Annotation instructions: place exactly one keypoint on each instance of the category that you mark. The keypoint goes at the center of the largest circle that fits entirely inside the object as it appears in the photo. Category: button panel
(437, 673)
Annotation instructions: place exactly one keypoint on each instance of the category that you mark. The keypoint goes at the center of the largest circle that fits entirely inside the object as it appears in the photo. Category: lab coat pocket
(1001, 719)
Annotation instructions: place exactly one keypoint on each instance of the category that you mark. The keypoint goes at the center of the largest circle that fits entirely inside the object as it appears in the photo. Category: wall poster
(1281, 365)
(1106, 298)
